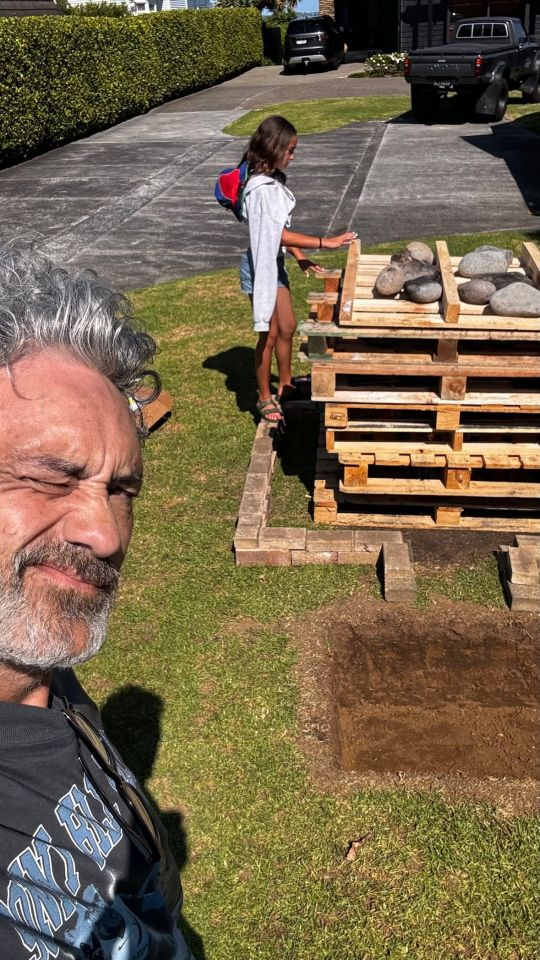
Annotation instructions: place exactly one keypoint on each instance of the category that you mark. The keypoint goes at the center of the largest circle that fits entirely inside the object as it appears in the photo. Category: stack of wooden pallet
(431, 411)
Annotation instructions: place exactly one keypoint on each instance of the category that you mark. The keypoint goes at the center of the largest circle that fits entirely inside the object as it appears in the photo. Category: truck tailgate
(448, 67)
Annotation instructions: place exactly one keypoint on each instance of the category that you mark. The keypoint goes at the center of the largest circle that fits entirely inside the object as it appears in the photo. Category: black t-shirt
(73, 884)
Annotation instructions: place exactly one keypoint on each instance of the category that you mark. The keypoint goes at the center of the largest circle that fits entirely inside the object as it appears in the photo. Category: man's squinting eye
(60, 485)
(118, 491)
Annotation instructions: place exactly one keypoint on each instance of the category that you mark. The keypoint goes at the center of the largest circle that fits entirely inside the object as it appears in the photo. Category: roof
(27, 8)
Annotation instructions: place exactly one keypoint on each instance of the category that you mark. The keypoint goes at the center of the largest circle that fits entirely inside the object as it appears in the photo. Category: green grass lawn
(318, 116)
(198, 687)
(526, 114)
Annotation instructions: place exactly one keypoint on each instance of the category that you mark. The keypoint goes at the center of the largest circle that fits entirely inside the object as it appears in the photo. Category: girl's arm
(291, 239)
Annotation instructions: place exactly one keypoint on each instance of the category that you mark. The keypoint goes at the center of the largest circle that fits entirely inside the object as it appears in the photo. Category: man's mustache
(68, 558)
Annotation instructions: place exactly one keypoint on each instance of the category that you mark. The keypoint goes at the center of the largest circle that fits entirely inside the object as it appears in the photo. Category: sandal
(269, 410)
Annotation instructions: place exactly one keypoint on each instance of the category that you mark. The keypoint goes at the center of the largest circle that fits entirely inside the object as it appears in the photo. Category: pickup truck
(485, 58)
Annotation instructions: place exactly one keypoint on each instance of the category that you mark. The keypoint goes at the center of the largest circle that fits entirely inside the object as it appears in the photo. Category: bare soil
(445, 698)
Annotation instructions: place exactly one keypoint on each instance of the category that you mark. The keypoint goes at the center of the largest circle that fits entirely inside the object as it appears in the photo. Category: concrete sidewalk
(136, 202)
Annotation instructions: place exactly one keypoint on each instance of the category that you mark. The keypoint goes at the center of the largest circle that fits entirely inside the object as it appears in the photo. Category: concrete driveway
(136, 202)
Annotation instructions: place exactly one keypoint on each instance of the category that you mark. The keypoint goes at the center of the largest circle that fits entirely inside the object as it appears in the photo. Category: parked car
(313, 40)
(485, 58)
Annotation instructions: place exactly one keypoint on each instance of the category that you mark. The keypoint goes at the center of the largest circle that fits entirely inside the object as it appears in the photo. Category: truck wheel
(502, 101)
(424, 103)
(497, 98)
(534, 95)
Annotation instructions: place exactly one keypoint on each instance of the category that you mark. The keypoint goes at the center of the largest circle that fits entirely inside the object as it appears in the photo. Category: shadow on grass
(297, 445)
(238, 367)
(132, 719)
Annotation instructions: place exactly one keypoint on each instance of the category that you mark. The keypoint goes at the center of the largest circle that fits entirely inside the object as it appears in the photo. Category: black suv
(313, 40)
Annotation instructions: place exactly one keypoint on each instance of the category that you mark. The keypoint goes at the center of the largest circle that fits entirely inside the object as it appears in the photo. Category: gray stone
(479, 262)
(487, 246)
(477, 291)
(420, 251)
(401, 257)
(423, 290)
(390, 280)
(500, 280)
(517, 300)
(411, 266)
(413, 269)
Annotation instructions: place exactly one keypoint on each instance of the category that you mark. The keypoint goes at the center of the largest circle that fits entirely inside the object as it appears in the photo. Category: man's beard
(38, 622)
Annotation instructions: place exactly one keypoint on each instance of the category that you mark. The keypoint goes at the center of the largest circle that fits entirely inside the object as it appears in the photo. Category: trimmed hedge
(65, 77)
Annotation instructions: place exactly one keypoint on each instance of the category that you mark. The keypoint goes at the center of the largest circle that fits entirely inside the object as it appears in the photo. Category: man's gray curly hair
(43, 306)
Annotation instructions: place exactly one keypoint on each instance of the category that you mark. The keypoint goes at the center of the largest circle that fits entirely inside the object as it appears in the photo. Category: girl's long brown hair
(268, 144)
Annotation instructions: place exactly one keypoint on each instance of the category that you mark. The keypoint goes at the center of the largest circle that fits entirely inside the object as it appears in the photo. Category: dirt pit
(446, 697)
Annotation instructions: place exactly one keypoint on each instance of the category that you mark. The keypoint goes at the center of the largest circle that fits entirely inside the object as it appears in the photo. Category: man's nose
(92, 523)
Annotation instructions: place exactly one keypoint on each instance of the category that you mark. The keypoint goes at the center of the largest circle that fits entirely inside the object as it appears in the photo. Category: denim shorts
(247, 273)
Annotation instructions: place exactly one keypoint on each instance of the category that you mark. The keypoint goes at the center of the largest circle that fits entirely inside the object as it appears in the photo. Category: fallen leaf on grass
(354, 845)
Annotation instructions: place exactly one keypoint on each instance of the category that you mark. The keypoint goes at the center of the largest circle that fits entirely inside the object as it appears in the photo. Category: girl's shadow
(237, 364)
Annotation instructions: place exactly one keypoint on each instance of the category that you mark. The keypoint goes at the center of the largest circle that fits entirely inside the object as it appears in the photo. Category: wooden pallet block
(466, 417)
(456, 483)
(482, 329)
(335, 508)
(480, 455)
(508, 359)
(157, 411)
(376, 386)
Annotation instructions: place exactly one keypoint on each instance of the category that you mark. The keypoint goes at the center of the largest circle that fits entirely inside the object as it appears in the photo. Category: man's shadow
(238, 366)
(132, 719)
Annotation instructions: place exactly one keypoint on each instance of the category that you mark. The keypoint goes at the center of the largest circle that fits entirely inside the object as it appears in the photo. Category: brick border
(520, 574)
(257, 544)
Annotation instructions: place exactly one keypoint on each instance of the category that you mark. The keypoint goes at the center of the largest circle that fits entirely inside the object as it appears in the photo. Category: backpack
(230, 186)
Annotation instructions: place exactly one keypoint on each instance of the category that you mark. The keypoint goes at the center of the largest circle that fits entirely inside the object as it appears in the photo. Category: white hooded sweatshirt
(266, 205)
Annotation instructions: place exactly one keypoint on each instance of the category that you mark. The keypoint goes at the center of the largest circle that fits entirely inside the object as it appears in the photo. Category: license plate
(298, 42)
(442, 84)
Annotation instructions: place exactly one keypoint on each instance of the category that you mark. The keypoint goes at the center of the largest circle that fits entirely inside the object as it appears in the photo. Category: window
(313, 25)
(476, 30)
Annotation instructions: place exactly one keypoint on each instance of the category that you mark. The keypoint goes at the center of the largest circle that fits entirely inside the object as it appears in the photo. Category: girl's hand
(342, 240)
(308, 266)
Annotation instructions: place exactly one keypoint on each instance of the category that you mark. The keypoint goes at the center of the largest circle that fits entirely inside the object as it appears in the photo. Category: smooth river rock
(517, 300)
(420, 251)
(477, 291)
(390, 280)
(419, 268)
(508, 253)
(500, 280)
(479, 262)
(423, 290)
(412, 267)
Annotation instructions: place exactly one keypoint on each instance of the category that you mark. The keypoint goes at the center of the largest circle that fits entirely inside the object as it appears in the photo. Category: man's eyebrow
(72, 469)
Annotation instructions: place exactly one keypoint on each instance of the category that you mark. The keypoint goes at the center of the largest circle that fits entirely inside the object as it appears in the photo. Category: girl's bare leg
(286, 326)
(263, 362)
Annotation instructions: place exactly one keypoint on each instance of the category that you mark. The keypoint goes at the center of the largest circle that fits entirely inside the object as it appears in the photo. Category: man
(85, 871)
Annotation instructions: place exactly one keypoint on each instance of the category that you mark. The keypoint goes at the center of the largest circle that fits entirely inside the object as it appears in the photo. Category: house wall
(422, 24)
(406, 24)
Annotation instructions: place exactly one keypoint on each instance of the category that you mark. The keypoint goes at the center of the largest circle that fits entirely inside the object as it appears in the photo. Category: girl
(267, 204)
